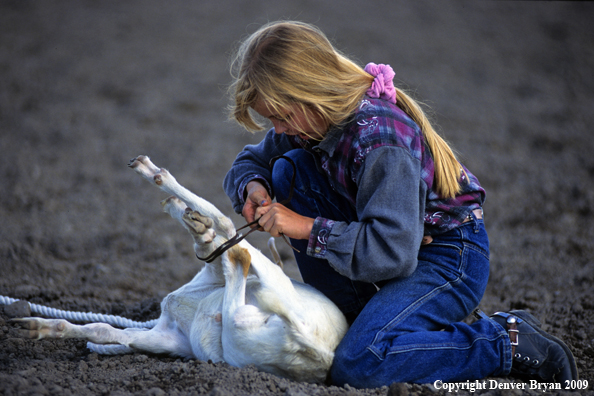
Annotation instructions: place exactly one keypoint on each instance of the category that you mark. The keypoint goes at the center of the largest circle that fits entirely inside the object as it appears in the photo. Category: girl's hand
(277, 220)
(257, 196)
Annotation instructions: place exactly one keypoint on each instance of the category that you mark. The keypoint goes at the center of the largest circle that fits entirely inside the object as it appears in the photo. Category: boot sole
(535, 323)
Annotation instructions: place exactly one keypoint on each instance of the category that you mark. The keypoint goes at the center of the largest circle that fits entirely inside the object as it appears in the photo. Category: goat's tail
(82, 317)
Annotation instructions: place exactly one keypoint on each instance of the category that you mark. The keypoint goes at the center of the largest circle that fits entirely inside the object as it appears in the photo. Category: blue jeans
(409, 330)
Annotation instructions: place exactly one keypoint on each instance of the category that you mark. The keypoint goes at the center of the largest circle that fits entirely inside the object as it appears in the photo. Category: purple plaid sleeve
(319, 237)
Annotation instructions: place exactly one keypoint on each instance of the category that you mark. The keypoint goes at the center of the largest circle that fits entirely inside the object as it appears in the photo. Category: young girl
(387, 223)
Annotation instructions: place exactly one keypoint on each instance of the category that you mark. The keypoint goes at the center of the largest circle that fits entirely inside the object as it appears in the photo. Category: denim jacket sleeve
(253, 163)
(384, 242)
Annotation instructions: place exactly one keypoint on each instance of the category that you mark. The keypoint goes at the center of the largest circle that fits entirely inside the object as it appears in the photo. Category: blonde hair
(447, 169)
(293, 63)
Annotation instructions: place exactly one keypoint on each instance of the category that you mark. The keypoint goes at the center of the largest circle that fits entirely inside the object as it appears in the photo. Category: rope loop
(83, 317)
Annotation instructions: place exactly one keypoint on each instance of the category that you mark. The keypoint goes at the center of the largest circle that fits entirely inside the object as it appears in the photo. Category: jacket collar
(330, 141)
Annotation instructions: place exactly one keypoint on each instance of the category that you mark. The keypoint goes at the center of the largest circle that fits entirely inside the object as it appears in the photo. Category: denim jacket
(379, 161)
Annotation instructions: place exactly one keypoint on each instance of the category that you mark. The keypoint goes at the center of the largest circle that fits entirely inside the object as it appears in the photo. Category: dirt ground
(87, 85)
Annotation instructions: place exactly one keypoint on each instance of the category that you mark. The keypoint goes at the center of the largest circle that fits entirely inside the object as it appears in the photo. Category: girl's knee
(350, 365)
(283, 171)
(342, 367)
(281, 177)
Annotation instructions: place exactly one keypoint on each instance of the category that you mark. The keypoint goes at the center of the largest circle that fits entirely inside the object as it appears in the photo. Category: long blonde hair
(293, 63)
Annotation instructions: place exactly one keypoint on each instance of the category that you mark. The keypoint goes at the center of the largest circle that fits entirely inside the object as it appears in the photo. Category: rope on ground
(84, 317)
(109, 349)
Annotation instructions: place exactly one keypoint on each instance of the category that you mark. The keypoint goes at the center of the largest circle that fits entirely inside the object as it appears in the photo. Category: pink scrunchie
(383, 84)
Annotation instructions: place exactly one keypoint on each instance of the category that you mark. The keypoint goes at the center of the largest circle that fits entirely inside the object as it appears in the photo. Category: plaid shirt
(373, 159)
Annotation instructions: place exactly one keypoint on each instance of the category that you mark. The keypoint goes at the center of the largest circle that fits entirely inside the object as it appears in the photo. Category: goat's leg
(242, 323)
(313, 321)
(166, 182)
(274, 251)
(262, 335)
(163, 338)
(276, 284)
(311, 325)
(236, 265)
(200, 228)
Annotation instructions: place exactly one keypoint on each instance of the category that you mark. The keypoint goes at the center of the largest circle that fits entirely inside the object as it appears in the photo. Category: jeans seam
(507, 354)
(476, 249)
(428, 347)
(463, 236)
(411, 308)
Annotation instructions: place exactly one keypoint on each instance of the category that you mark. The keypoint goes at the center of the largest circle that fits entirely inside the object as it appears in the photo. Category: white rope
(84, 317)
(109, 349)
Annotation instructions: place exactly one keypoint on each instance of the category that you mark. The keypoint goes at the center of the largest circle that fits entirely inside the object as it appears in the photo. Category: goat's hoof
(24, 323)
(31, 327)
(38, 328)
(143, 166)
(195, 216)
(134, 162)
(199, 226)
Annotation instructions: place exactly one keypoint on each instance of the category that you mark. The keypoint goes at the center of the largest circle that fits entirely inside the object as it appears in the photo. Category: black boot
(536, 354)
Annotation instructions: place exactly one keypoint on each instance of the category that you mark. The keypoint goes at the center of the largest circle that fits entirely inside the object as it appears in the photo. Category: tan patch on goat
(239, 255)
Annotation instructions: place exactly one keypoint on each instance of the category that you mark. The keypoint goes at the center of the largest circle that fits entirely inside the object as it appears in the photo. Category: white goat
(280, 325)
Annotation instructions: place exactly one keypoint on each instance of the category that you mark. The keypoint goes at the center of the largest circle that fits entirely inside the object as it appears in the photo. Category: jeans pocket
(446, 258)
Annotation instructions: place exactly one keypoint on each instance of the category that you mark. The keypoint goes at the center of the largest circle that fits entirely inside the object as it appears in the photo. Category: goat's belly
(205, 336)
(186, 308)
(197, 315)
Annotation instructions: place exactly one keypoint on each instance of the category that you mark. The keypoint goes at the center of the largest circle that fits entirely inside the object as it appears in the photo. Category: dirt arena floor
(87, 85)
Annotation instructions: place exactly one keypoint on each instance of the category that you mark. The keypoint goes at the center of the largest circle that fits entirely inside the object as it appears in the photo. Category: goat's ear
(239, 255)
